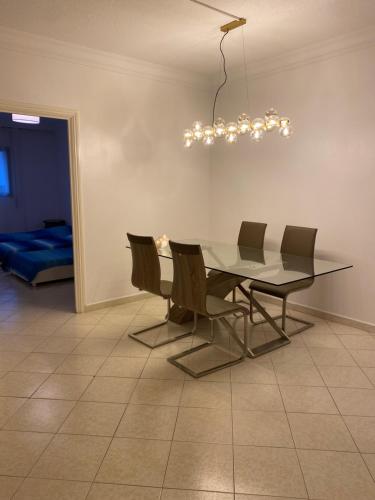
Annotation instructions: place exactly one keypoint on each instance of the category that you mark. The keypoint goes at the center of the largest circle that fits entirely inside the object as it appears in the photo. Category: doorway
(61, 212)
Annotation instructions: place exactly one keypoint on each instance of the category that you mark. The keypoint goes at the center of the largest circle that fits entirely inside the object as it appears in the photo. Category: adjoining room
(187, 282)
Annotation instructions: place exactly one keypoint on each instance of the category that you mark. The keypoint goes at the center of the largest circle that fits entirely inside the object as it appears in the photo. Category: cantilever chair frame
(190, 291)
(146, 276)
(285, 249)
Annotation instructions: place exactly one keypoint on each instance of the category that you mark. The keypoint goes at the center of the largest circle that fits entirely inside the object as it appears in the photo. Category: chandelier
(255, 128)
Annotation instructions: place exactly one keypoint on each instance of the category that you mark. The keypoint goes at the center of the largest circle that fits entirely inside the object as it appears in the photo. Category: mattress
(28, 264)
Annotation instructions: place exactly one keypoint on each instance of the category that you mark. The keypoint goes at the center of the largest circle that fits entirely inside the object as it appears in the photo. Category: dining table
(266, 266)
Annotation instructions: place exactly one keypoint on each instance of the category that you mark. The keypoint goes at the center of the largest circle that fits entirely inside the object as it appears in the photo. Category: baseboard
(117, 302)
(344, 320)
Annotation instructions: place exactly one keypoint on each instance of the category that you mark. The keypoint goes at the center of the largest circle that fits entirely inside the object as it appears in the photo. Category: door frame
(72, 118)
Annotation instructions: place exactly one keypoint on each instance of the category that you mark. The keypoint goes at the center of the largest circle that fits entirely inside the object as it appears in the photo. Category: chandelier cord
(245, 68)
(225, 79)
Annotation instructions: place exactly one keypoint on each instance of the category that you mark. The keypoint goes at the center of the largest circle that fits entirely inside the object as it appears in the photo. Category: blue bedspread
(29, 264)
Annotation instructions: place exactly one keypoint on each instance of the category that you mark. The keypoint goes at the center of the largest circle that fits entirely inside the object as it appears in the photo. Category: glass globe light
(286, 132)
(258, 124)
(243, 123)
(188, 143)
(272, 119)
(208, 135)
(284, 122)
(231, 128)
(219, 127)
(188, 134)
(257, 135)
(197, 125)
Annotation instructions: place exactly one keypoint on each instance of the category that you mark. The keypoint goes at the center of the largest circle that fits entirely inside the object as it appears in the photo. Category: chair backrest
(189, 288)
(252, 234)
(146, 273)
(299, 241)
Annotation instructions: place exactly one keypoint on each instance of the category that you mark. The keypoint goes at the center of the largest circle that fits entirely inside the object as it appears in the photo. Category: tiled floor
(87, 413)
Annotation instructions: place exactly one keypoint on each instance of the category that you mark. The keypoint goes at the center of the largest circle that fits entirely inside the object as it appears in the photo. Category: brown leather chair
(297, 249)
(146, 276)
(190, 292)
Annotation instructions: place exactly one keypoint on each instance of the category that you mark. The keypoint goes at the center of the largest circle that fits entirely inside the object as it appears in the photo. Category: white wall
(135, 174)
(323, 177)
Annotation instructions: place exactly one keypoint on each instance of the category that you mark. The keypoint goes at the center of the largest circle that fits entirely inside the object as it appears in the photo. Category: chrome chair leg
(283, 316)
(135, 335)
(197, 374)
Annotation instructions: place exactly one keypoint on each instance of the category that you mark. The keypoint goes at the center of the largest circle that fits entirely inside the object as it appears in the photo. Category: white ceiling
(182, 34)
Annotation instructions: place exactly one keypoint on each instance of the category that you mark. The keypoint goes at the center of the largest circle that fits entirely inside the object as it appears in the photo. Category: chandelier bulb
(286, 132)
(243, 123)
(219, 127)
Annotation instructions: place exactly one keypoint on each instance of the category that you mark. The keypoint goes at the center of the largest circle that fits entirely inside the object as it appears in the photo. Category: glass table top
(263, 265)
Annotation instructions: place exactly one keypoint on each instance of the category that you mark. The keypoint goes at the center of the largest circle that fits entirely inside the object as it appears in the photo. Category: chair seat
(166, 288)
(219, 307)
(281, 291)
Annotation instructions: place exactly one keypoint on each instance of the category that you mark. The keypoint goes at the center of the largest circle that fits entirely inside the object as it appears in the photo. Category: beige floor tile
(320, 432)
(128, 347)
(268, 471)
(195, 495)
(341, 329)
(20, 384)
(51, 489)
(73, 330)
(12, 327)
(256, 397)
(40, 362)
(206, 394)
(158, 368)
(59, 345)
(95, 347)
(40, 415)
(71, 457)
(122, 367)
(81, 365)
(20, 450)
(344, 376)
(204, 425)
(316, 338)
(63, 387)
(200, 466)
(323, 356)
(135, 461)
(39, 329)
(308, 400)
(19, 343)
(288, 374)
(370, 462)
(8, 360)
(110, 390)
(157, 392)
(358, 341)
(148, 422)
(261, 428)
(9, 406)
(362, 430)
(331, 475)
(261, 497)
(370, 372)
(363, 358)
(8, 486)
(292, 355)
(123, 320)
(122, 492)
(89, 318)
(173, 348)
(96, 419)
(359, 402)
(106, 331)
(254, 371)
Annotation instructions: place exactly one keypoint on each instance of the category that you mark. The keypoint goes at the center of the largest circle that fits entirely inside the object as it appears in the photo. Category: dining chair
(251, 235)
(146, 276)
(297, 242)
(189, 291)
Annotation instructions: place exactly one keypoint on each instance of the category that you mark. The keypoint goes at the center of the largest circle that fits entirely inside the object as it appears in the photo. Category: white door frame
(75, 189)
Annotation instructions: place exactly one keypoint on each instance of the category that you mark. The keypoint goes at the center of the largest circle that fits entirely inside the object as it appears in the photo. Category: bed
(38, 256)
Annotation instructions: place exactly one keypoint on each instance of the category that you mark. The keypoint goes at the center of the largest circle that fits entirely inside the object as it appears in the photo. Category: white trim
(306, 55)
(75, 189)
(116, 302)
(28, 43)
